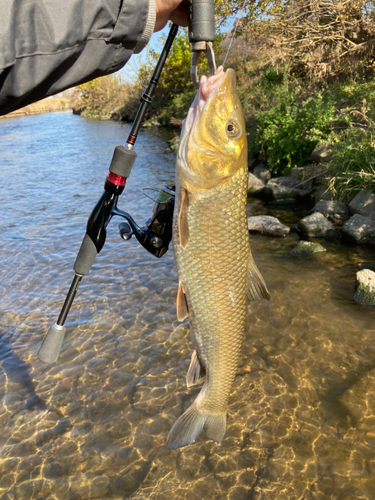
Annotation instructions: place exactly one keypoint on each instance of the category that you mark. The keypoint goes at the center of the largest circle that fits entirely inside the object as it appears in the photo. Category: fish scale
(212, 251)
(210, 277)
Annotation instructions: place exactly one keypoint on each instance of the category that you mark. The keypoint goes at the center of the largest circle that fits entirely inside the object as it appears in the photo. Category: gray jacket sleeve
(47, 46)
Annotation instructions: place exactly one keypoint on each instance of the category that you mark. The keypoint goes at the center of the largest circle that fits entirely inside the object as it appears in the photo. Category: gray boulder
(364, 204)
(335, 211)
(365, 288)
(321, 152)
(266, 224)
(254, 183)
(317, 226)
(283, 187)
(262, 173)
(359, 229)
(307, 248)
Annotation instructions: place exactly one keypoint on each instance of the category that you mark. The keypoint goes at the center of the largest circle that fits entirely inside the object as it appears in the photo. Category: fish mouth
(207, 88)
(208, 85)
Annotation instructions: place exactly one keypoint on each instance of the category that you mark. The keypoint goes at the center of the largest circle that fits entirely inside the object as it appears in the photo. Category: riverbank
(49, 105)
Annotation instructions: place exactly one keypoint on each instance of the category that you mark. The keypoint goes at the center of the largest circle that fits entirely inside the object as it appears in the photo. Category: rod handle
(202, 21)
(50, 348)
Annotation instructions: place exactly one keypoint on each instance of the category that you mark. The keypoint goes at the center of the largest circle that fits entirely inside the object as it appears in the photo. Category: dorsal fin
(256, 287)
(183, 227)
(181, 303)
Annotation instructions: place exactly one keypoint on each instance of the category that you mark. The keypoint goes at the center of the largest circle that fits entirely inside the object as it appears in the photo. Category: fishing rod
(156, 235)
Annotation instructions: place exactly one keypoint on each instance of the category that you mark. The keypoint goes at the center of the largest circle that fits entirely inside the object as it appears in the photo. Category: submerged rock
(307, 248)
(363, 204)
(282, 202)
(335, 211)
(359, 229)
(317, 226)
(365, 288)
(254, 183)
(266, 224)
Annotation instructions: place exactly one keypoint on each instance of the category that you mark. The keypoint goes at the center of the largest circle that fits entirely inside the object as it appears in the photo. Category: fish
(217, 273)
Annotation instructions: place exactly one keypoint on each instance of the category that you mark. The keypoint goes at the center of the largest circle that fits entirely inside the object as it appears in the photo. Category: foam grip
(50, 348)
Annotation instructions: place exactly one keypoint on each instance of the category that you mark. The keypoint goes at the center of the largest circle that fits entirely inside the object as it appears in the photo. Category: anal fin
(181, 303)
(195, 371)
(256, 287)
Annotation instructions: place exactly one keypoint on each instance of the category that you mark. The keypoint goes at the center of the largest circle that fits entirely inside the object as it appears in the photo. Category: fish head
(213, 139)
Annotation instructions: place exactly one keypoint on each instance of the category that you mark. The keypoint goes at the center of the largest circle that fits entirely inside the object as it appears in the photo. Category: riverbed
(301, 421)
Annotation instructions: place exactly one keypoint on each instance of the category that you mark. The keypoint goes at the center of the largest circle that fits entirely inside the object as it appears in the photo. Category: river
(301, 422)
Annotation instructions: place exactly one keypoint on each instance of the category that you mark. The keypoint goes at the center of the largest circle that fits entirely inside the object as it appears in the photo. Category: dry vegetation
(44, 106)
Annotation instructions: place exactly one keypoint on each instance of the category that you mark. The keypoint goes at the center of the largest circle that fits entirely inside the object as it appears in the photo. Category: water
(301, 421)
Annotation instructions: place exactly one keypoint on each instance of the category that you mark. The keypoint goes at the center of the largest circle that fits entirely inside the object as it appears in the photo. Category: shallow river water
(301, 422)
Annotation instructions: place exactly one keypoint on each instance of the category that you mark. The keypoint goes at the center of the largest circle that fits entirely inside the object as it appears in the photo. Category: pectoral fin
(183, 227)
(181, 303)
(195, 371)
(256, 287)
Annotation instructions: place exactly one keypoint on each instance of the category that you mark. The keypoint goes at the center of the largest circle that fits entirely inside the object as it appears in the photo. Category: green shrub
(352, 167)
(291, 123)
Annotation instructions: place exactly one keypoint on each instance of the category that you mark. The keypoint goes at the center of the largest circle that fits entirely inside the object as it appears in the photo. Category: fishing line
(231, 41)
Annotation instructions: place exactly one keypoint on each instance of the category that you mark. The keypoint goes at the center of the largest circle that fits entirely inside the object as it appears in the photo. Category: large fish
(211, 243)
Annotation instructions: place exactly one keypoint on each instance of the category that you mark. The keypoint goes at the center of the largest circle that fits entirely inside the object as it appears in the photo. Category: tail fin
(191, 423)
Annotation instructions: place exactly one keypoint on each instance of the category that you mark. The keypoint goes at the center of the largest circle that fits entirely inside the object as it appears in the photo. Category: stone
(296, 173)
(262, 173)
(282, 202)
(323, 193)
(359, 229)
(282, 187)
(307, 248)
(266, 224)
(254, 183)
(321, 152)
(363, 204)
(365, 288)
(335, 211)
(317, 226)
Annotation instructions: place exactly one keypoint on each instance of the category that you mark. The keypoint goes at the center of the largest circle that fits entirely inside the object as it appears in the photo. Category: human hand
(176, 11)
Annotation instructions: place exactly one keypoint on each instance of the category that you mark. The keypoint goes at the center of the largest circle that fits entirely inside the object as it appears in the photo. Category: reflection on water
(301, 423)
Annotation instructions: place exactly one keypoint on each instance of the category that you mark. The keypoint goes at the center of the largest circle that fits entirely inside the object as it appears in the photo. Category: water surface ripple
(301, 422)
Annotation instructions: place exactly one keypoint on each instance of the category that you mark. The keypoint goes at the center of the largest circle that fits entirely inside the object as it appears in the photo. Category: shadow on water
(18, 372)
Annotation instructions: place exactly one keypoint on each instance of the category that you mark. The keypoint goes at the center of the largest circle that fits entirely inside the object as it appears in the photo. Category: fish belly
(213, 268)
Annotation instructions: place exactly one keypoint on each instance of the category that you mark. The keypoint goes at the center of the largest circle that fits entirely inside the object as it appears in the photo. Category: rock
(322, 193)
(267, 225)
(175, 122)
(359, 229)
(282, 202)
(282, 187)
(174, 143)
(307, 248)
(365, 288)
(254, 183)
(321, 152)
(364, 204)
(262, 173)
(317, 226)
(296, 173)
(335, 211)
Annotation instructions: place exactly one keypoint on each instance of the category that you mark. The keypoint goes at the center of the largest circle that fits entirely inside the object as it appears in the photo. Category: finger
(180, 16)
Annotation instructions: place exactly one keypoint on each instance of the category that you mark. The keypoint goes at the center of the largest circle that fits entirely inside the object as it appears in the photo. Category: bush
(291, 123)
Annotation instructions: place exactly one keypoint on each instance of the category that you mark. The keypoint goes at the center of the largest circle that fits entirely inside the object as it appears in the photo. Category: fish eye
(233, 129)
